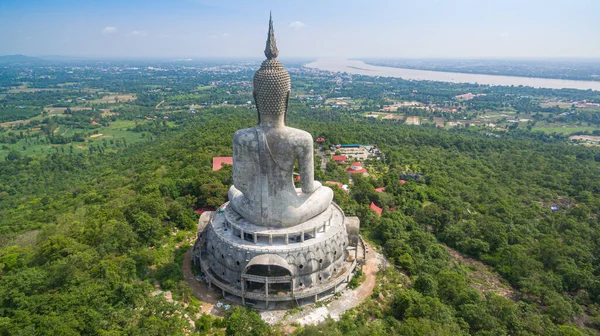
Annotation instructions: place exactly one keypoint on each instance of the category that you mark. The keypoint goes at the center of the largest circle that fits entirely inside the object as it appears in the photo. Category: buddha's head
(271, 82)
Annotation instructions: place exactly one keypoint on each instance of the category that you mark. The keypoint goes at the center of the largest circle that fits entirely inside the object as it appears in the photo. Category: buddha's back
(263, 167)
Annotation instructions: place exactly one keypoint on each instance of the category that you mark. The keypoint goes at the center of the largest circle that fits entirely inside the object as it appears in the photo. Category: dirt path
(158, 105)
(370, 270)
(200, 290)
(351, 298)
(348, 299)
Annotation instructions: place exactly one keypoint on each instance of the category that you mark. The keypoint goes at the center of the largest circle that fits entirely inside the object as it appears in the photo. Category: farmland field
(63, 109)
(567, 129)
(117, 130)
(30, 90)
(114, 98)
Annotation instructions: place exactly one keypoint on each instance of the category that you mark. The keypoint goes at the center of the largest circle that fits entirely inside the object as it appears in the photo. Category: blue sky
(308, 28)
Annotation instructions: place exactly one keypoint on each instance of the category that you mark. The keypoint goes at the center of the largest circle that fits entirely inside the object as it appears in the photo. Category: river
(361, 68)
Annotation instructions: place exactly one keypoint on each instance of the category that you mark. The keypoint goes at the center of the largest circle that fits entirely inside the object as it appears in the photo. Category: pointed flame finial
(271, 50)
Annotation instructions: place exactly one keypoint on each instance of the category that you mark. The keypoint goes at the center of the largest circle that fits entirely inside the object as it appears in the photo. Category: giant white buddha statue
(264, 156)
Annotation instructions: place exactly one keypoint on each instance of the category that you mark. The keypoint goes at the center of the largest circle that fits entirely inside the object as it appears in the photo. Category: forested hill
(84, 237)
(20, 59)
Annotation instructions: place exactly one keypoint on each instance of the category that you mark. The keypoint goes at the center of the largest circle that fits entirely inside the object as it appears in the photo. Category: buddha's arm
(307, 166)
(239, 168)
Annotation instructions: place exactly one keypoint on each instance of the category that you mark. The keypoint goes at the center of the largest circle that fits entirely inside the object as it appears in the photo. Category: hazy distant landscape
(95, 105)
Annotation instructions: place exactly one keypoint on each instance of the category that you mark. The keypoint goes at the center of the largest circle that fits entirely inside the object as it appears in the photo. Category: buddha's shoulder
(299, 134)
(244, 134)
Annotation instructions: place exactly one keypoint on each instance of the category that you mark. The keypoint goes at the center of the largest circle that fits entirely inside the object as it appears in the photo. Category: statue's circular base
(276, 267)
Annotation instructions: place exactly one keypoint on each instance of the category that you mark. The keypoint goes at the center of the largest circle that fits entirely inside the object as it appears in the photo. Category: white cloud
(297, 25)
(138, 33)
(221, 36)
(109, 30)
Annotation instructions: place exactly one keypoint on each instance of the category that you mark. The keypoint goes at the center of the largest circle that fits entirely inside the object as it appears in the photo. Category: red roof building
(356, 168)
(339, 158)
(339, 184)
(219, 161)
(382, 189)
(402, 182)
(320, 139)
(200, 211)
(375, 208)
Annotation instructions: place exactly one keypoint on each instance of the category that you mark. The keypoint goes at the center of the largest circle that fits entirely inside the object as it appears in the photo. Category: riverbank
(362, 68)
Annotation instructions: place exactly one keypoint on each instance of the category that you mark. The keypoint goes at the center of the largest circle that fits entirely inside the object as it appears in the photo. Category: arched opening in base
(268, 271)
(261, 268)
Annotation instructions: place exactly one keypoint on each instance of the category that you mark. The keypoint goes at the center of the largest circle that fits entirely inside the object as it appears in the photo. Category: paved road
(324, 159)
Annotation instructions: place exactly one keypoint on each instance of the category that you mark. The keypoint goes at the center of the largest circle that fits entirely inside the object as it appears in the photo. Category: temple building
(356, 168)
(273, 245)
(218, 162)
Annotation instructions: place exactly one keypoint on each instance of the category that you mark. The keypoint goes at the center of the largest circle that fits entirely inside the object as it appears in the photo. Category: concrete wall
(322, 260)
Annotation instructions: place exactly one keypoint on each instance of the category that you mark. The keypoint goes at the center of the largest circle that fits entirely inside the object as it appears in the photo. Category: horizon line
(190, 57)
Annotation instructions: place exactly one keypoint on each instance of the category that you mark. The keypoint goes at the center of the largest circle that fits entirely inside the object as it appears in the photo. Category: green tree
(242, 321)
